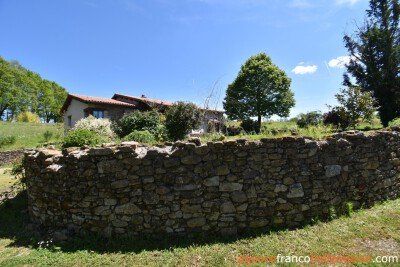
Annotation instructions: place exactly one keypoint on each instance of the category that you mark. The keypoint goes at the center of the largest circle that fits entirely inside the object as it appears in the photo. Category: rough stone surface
(181, 189)
(8, 157)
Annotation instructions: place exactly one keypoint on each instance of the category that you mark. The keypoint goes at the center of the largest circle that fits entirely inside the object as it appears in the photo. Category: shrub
(137, 121)
(336, 117)
(101, 127)
(141, 137)
(28, 117)
(80, 137)
(232, 130)
(395, 122)
(180, 119)
(309, 119)
(249, 125)
(7, 140)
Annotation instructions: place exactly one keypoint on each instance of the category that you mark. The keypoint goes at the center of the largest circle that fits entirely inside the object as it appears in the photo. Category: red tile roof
(154, 101)
(91, 99)
(145, 99)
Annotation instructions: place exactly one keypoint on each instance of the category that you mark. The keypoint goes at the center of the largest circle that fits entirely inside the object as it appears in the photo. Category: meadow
(31, 135)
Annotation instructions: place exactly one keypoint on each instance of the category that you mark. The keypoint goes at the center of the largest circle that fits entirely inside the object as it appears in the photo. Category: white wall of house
(74, 113)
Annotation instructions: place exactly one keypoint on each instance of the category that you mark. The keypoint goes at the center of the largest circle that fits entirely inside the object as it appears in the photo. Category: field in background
(30, 135)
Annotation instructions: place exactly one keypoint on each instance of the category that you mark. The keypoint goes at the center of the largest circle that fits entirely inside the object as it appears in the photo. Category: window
(98, 113)
(69, 121)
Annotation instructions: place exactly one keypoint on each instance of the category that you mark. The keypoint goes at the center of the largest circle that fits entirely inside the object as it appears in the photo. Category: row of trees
(23, 90)
(372, 77)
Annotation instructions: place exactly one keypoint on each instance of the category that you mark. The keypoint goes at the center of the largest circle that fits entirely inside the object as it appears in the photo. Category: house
(77, 107)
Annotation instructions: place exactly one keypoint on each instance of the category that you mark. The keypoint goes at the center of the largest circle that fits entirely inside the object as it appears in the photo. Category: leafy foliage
(137, 121)
(27, 116)
(7, 140)
(80, 137)
(141, 137)
(180, 119)
(356, 104)
(375, 57)
(395, 122)
(250, 126)
(312, 118)
(22, 90)
(99, 126)
(336, 117)
(261, 89)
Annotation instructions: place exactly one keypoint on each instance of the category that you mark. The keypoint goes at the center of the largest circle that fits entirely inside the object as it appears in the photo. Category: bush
(180, 119)
(336, 117)
(137, 121)
(28, 117)
(141, 137)
(100, 127)
(395, 122)
(80, 137)
(7, 140)
(249, 125)
(309, 119)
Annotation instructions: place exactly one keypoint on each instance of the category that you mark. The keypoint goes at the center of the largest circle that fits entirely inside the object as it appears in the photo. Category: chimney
(143, 96)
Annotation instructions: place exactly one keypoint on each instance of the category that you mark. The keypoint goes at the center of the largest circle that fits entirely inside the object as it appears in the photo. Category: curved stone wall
(8, 157)
(223, 187)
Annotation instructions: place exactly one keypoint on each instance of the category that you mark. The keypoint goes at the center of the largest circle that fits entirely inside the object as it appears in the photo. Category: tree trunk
(258, 124)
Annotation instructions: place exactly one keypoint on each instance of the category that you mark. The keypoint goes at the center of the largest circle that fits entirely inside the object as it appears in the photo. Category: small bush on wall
(141, 137)
(80, 137)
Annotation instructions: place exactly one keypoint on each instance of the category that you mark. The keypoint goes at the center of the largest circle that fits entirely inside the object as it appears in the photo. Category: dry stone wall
(222, 187)
(8, 157)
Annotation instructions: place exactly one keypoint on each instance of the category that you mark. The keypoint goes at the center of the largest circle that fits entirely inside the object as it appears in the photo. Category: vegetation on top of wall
(81, 137)
(141, 137)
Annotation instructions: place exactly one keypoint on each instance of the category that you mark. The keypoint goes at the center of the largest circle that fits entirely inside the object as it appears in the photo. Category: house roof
(146, 100)
(95, 100)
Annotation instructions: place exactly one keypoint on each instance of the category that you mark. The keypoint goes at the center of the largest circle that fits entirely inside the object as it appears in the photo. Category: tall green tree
(260, 90)
(22, 90)
(375, 57)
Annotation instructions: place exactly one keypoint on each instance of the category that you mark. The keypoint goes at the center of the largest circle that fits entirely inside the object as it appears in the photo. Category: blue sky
(180, 49)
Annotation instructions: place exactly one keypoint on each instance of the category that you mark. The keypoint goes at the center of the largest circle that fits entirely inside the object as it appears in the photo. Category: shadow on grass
(15, 224)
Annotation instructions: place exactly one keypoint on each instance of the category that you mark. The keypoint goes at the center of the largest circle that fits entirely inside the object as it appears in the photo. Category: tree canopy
(261, 89)
(375, 57)
(23, 90)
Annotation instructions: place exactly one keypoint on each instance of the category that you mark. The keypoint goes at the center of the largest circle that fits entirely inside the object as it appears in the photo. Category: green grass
(30, 135)
(374, 232)
(6, 179)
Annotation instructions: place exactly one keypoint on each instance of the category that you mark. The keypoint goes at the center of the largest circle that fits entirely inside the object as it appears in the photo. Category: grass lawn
(373, 232)
(30, 135)
(6, 180)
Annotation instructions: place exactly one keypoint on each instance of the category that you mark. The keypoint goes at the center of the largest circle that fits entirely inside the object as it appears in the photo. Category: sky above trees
(180, 49)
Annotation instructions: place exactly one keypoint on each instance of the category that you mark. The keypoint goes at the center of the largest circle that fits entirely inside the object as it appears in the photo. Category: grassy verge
(30, 135)
(372, 232)
(6, 180)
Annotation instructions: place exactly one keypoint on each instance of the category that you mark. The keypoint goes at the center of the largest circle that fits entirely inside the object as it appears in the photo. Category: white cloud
(305, 69)
(347, 2)
(339, 62)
